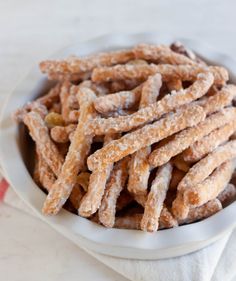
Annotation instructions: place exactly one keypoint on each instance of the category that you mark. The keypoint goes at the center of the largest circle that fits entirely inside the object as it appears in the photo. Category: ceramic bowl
(14, 154)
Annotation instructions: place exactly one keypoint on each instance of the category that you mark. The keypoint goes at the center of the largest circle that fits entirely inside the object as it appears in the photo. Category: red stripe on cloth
(3, 188)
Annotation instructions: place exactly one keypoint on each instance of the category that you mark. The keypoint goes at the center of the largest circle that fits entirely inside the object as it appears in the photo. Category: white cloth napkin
(216, 262)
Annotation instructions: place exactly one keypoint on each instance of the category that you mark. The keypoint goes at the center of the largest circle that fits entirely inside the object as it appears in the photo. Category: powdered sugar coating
(147, 135)
(139, 172)
(202, 212)
(199, 172)
(156, 198)
(75, 65)
(207, 144)
(46, 176)
(97, 184)
(202, 169)
(117, 101)
(221, 99)
(167, 71)
(211, 187)
(39, 133)
(160, 54)
(114, 186)
(170, 102)
(75, 159)
(139, 167)
(64, 97)
(187, 137)
(61, 134)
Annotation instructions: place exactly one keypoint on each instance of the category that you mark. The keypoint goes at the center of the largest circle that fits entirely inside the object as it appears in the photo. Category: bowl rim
(73, 226)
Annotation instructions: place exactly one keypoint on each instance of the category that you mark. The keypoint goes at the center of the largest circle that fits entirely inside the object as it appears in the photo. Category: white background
(29, 32)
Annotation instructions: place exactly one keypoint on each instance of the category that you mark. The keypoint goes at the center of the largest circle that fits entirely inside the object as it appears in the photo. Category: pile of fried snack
(138, 139)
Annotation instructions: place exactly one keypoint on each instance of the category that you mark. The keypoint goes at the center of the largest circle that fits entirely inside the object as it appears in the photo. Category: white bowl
(115, 242)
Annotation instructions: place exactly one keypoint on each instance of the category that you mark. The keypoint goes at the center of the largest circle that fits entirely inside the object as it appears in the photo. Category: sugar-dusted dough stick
(155, 198)
(139, 171)
(202, 212)
(76, 65)
(149, 134)
(117, 101)
(221, 99)
(186, 138)
(211, 187)
(102, 126)
(199, 172)
(133, 221)
(39, 133)
(115, 184)
(64, 98)
(61, 134)
(46, 176)
(75, 159)
(139, 167)
(207, 144)
(202, 169)
(167, 71)
(166, 219)
(160, 54)
(70, 77)
(97, 184)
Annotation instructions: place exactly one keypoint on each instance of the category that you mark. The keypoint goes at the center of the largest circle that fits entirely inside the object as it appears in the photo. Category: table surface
(32, 30)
